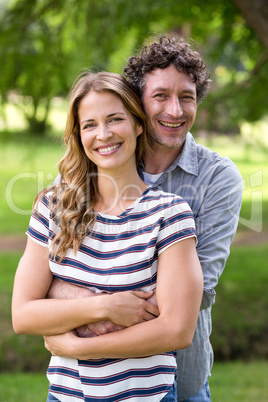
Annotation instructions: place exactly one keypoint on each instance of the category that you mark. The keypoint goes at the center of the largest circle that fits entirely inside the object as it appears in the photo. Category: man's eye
(188, 98)
(161, 96)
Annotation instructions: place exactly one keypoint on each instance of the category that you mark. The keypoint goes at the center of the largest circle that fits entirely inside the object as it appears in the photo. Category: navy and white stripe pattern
(119, 254)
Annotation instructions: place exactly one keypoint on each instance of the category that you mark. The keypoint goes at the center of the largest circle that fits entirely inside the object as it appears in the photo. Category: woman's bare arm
(60, 289)
(32, 313)
(179, 293)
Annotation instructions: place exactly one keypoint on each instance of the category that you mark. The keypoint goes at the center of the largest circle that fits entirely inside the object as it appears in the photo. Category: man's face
(169, 100)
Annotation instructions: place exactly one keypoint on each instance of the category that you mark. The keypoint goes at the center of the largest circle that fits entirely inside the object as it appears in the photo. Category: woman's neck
(118, 191)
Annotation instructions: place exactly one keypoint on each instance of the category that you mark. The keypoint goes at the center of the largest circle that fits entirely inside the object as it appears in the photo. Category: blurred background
(44, 45)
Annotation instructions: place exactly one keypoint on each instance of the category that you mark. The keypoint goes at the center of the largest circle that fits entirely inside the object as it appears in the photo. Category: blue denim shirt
(212, 185)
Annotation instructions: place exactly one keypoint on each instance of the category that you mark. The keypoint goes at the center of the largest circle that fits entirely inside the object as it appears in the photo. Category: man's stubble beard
(155, 138)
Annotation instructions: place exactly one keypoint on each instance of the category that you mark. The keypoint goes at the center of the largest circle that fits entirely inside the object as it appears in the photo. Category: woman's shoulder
(43, 200)
(156, 193)
(164, 201)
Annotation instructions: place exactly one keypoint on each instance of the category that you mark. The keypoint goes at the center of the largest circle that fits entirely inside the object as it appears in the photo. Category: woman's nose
(103, 133)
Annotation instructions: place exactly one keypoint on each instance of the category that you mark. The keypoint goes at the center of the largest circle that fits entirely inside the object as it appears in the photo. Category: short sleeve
(178, 224)
(38, 229)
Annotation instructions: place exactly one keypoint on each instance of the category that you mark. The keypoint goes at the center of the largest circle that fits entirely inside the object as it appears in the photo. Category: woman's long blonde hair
(73, 200)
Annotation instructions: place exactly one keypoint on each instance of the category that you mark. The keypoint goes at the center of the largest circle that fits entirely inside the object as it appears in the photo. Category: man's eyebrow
(163, 89)
(189, 91)
(159, 89)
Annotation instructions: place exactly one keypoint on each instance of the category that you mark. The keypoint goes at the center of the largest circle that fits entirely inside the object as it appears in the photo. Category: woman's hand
(63, 345)
(132, 307)
(127, 308)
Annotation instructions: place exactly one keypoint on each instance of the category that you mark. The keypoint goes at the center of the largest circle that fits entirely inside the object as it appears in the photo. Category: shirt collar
(187, 159)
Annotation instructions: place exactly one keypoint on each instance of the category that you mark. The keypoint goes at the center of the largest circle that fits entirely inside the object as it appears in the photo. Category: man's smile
(172, 125)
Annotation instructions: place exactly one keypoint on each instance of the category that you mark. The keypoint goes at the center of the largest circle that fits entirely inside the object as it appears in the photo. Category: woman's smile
(108, 149)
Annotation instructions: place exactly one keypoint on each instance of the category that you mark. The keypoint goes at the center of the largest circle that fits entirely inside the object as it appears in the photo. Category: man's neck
(158, 158)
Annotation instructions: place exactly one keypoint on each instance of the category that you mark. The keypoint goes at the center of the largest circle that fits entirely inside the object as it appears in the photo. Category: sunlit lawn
(28, 166)
(230, 382)
(239, 382)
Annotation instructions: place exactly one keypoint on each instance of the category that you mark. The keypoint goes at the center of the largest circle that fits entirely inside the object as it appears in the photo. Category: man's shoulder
(196, 158)
(211, 156)
(208, 158)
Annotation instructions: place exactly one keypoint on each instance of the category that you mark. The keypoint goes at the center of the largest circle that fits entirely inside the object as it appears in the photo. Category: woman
(103, 228)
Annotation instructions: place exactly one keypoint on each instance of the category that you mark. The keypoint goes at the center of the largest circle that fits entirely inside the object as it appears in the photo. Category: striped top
(120, 254)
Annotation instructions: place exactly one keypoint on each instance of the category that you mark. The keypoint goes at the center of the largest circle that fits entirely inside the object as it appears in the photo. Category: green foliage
(45, 44)
(30, 39)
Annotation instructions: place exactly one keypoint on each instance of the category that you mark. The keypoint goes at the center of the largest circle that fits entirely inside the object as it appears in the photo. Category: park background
(44, 45)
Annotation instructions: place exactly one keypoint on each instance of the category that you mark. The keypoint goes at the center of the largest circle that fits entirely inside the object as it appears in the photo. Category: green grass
(239, 382)
(28, 165)
(16, 352)
(240, 326)
(26, 168)
(230, 382)
(23, 387)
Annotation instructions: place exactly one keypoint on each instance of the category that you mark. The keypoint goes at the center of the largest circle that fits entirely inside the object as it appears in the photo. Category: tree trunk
(255, 12)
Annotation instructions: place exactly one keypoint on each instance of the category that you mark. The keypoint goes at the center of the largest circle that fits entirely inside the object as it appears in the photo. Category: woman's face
(108, 131)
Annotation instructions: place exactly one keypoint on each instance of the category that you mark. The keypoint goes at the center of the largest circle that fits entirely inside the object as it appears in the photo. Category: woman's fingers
(131, 307)
(151, 303)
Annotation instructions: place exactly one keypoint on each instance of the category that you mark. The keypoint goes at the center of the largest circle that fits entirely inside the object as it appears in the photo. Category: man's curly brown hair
(161, 53)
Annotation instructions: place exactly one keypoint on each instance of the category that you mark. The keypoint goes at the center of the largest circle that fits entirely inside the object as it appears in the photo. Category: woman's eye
(88, 126)
(116, 119)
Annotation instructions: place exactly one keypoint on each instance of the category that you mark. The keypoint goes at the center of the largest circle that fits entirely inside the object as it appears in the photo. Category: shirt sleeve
(38, 229)
(216, 224)
(178, 224)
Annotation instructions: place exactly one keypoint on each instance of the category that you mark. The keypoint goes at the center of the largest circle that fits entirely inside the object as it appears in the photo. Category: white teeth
(170, 124)
(108, 149)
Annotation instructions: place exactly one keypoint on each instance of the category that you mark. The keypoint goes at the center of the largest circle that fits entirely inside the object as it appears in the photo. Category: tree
(46, 43)
(256, 15)
(28, 43)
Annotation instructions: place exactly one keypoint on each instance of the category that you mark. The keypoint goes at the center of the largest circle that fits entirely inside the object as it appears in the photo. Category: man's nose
(103, 133)
(174, 107)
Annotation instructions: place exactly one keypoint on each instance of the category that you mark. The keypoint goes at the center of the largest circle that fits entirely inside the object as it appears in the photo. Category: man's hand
(126, 308)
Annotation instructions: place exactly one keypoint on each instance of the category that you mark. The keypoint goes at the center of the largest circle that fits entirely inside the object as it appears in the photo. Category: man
(171, 80)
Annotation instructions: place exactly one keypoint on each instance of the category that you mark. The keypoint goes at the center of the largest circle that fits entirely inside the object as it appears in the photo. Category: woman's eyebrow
(113, 114)
(108, 116)
(86, 121)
